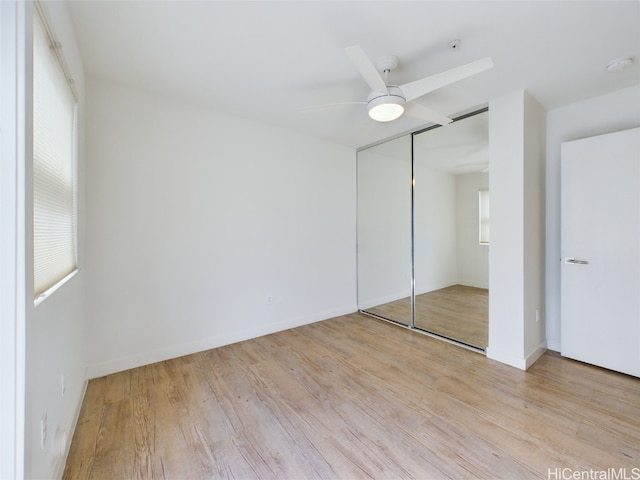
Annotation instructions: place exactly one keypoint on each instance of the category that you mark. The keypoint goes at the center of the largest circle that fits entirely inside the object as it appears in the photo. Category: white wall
(605, 114)
(435, 229)
(198, 220)
(55, 328)
(516, 133)
(534, 234)
(472, 258)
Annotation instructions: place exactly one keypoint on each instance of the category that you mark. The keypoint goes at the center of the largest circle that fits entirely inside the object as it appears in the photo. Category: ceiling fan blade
(420, 111)
(366, 68)
(326, 106)
(418, 88)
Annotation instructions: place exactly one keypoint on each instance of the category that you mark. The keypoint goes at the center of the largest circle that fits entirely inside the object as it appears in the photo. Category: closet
(423, 236)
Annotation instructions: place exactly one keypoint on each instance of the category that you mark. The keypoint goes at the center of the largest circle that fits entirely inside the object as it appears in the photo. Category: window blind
(54, 140)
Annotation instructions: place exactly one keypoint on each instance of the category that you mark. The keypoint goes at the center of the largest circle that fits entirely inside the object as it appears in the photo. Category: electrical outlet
(43, 431)
(269, 299)
(63, 384)
(537, 315)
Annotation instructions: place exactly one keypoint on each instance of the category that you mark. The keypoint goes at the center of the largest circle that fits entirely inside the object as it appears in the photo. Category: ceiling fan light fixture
(386, 107)
(385, 112)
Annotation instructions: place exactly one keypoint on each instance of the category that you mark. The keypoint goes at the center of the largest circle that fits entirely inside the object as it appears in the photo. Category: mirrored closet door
(384, 230)
(423, 237)
(451, 168)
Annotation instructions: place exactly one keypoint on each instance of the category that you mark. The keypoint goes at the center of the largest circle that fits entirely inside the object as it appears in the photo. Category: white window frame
(39, 296)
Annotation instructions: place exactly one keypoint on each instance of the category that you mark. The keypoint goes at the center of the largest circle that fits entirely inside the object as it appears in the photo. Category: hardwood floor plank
(354, 397)
(464, 455)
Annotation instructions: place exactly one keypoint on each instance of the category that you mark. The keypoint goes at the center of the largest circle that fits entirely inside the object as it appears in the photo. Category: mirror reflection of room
(384, 230)
(446, 225)
(451, 168)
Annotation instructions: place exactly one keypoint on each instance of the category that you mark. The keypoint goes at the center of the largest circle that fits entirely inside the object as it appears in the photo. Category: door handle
(573, 261)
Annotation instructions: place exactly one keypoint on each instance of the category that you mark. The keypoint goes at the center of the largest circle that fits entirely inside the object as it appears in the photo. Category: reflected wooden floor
(353, 397)
(458, 312)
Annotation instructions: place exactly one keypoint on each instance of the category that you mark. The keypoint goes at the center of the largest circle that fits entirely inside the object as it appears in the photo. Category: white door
(600, 247)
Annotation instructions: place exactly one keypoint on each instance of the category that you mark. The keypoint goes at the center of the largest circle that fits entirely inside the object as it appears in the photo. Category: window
(54, 164)
(483, 210)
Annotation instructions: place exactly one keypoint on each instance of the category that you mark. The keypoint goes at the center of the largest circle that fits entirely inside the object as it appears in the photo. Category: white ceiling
(266, 60)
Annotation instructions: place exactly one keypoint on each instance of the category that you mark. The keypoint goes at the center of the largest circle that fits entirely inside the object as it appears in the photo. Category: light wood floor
(354, 397)
(458, 312)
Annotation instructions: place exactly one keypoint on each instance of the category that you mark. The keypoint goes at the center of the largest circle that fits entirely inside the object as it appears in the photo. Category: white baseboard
(523, 363)
(421, 289)
(506, 358)
(471, 283)
(174, 351)
(535, 355)
(374, 302)
(61, 460)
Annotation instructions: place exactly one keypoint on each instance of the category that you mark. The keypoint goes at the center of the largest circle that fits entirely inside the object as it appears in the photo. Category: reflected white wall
(384, 223)
(435, 227)
(472, 258)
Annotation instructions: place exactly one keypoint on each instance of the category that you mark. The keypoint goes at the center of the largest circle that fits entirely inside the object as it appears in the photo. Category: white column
(516, 257)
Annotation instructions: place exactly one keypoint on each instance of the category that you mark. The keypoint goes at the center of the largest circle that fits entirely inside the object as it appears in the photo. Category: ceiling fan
(388, 102)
